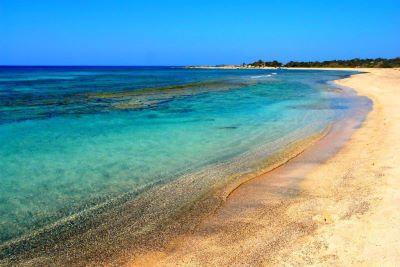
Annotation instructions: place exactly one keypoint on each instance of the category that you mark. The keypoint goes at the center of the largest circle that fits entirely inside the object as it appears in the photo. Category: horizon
(122, 33)
(205, 132)
(181, 66)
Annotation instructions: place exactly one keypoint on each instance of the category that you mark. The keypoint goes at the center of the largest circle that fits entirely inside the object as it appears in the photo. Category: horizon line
(187, 65)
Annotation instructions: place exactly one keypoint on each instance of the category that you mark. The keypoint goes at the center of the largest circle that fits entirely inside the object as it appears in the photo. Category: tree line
(351, 63)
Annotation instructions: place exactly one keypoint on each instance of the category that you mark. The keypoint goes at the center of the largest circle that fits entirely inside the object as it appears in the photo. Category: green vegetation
(261, 63)
(351, 63)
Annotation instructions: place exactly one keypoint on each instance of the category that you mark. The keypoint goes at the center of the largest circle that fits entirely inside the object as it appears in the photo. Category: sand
(317, 209)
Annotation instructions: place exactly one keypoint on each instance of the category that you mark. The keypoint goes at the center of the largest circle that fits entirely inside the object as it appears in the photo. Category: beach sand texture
(337, 210)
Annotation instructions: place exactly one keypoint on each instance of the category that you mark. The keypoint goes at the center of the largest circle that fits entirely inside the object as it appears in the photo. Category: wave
(260, 76)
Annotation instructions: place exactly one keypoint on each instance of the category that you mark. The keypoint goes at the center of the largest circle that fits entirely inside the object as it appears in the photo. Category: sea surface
(75, 138)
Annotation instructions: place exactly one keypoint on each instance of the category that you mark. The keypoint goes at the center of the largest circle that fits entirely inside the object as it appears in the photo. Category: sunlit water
(71, 138)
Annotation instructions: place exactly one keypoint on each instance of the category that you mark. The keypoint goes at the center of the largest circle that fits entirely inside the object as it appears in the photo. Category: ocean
(78, 144)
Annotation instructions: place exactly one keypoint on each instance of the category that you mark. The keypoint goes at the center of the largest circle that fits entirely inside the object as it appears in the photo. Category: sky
(117, 32)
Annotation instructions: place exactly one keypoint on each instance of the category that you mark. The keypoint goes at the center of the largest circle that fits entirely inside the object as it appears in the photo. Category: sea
(82, 145)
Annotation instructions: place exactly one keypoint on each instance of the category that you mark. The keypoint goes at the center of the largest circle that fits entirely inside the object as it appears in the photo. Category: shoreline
(306, 224)
(181, 228)
(183, 221)
(28, 248)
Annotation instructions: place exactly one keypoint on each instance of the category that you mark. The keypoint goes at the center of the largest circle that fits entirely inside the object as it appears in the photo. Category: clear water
(74, 137)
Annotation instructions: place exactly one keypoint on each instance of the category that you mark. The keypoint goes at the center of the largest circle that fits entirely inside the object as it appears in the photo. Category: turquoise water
(72, 138)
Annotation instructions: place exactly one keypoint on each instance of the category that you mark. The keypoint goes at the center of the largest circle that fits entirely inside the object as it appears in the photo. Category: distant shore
(326, 64)
(236, 67)
(344, 210)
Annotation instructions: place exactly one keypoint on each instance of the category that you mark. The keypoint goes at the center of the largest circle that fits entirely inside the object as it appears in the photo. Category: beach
(335, 204)
(220, 133)
(117, 172)
(314, 180)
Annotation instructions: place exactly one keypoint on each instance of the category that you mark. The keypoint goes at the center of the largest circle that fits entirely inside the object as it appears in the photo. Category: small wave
(261, 76)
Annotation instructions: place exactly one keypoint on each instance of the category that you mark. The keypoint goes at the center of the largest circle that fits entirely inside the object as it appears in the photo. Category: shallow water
(72, 138)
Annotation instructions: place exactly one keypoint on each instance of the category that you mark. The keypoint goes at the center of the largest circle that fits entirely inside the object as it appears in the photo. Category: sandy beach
(318, 209)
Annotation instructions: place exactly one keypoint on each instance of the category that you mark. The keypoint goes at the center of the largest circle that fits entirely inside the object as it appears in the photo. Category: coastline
(124, 228)
(343, 211)
(250, 224)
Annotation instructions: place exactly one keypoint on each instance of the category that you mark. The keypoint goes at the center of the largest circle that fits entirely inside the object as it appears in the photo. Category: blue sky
(86, 32)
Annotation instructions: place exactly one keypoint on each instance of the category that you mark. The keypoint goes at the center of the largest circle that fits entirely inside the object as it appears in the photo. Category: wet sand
(317, 208)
